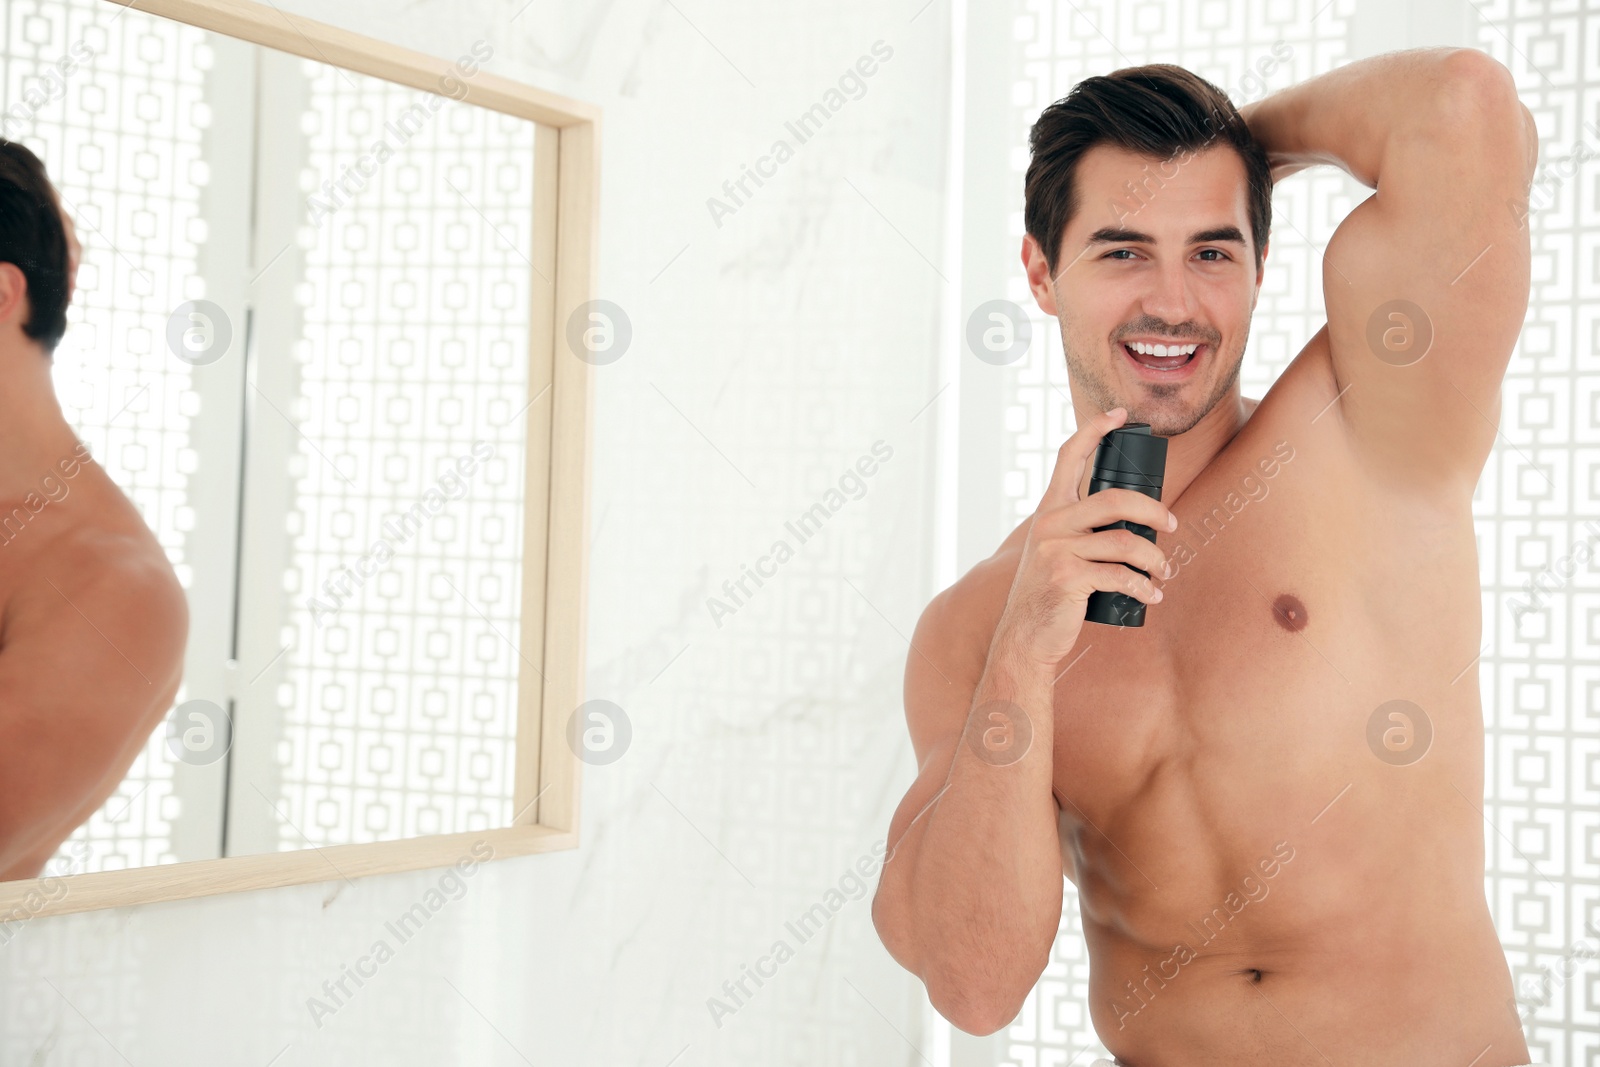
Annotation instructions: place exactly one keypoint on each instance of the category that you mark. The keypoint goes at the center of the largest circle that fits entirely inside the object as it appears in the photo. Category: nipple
(1290, 613)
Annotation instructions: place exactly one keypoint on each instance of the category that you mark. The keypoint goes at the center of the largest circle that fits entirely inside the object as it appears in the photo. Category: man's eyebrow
(1117, 235)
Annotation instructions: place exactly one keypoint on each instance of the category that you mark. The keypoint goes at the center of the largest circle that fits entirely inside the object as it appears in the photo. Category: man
(1269, 794)
(93, 620)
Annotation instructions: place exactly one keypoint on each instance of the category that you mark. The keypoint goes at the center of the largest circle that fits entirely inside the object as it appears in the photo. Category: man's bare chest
(1300, 606)
(1260, 616)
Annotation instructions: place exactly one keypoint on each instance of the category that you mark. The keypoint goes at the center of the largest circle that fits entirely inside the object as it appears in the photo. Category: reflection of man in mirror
(93, 620)
(1270, 794)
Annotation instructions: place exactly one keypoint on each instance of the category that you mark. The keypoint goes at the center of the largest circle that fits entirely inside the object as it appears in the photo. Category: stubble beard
(1155, 403)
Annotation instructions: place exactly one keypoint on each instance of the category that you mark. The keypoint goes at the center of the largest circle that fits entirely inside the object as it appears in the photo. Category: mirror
(312, 341)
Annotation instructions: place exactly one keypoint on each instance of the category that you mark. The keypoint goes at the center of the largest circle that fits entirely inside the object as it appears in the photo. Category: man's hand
(1065, 561)
(1282, 162)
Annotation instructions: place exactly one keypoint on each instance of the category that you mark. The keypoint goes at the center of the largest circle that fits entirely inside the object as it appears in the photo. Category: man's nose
(1172, 299)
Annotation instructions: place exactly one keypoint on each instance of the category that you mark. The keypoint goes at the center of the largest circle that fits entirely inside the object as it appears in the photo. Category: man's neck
(34, 436)
(1191, 452)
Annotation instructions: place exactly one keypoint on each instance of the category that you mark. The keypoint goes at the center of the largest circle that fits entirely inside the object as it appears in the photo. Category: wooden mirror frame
(547, 778)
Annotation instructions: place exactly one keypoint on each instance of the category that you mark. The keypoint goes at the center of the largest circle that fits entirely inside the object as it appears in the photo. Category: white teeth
(1163, 350)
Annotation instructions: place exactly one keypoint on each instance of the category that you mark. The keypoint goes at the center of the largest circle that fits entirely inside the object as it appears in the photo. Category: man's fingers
(1074, 456)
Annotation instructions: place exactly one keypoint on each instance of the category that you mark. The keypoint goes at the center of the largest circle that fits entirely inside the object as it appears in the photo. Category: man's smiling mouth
(1163, 356)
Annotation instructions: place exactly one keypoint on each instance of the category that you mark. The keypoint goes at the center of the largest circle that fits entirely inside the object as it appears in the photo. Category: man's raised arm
(1426, 281)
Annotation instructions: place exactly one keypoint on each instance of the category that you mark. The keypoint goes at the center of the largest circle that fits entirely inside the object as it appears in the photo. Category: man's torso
(1265, 875)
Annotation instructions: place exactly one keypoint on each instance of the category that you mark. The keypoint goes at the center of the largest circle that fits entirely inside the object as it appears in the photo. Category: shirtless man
(93, 620)
(1270, 794)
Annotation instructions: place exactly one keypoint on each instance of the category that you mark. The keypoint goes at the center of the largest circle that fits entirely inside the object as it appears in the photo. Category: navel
(1290, 613)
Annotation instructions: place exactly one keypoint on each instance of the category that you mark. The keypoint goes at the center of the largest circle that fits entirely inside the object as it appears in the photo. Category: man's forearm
(975, 884)
(1346, 116)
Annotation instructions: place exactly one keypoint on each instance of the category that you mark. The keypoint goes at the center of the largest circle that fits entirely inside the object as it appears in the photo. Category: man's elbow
(1476, 107)
(975, 1014)
(1477, 91)
(898, 937)
(968, 1004)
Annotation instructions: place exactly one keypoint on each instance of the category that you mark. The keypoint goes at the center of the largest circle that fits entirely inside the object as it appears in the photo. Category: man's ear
(13, 295)
(1039, 280)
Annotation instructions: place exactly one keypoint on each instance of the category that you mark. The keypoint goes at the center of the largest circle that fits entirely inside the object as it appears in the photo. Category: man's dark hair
(33, 237)
(1156, 110)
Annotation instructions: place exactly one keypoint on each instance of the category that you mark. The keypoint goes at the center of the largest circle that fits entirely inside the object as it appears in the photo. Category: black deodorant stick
(1129, 457)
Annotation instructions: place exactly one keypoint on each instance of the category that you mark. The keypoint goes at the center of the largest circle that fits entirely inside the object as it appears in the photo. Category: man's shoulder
(123, 566)
(950, 646)
(102, 548)
(960, 619)
(112, 580)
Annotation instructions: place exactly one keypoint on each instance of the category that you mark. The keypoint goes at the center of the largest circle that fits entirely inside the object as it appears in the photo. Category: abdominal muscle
(1313, 1002)
(1301, 931)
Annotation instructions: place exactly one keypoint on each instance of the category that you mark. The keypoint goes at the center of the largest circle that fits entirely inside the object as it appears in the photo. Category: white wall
(768, 354)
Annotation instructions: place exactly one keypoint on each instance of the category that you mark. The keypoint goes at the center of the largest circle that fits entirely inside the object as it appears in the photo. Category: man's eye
(1119, 252)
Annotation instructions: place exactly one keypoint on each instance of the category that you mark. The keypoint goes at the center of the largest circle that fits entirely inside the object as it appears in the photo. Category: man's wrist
(1265, 120)
(1013, 708)
(1011, 659)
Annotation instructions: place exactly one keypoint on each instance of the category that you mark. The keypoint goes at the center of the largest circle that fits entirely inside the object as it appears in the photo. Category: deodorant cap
(1131, 454)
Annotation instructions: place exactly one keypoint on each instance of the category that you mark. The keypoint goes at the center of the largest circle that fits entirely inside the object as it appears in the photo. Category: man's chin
(1165, 420)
